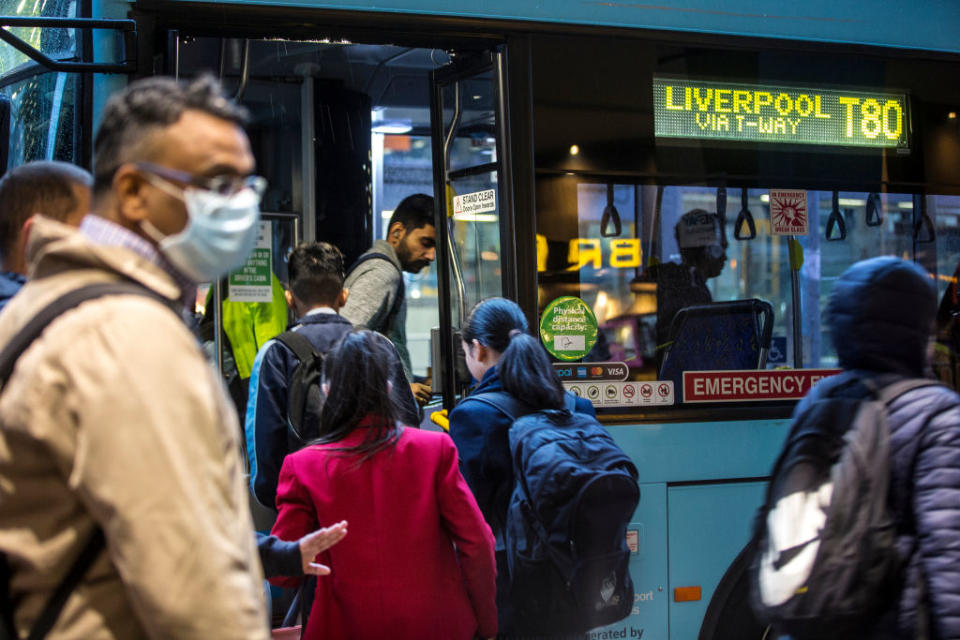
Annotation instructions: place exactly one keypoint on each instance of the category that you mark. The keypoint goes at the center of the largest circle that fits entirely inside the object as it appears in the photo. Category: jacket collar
(321, 318)
(54, 248)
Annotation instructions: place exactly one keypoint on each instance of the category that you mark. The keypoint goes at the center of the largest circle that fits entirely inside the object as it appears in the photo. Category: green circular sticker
(568, 328)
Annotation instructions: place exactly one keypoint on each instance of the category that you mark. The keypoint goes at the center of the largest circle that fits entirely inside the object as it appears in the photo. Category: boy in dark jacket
(315, 295)
(881, 315)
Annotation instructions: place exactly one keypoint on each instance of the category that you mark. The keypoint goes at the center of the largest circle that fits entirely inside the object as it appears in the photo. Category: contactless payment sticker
(568, 328)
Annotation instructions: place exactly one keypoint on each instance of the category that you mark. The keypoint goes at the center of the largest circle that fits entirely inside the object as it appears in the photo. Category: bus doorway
(344, 131)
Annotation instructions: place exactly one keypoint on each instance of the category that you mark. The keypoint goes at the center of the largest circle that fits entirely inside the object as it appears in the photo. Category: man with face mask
(112, 420)
(377, 294)
(702, 241)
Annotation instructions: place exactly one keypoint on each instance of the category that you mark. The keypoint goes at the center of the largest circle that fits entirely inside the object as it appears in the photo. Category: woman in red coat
(418, 562)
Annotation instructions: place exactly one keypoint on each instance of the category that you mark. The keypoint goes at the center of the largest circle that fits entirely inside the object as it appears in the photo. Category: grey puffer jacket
(880, 315)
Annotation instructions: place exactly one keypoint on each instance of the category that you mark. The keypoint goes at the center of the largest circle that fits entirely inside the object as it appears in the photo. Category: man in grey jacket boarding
(377, 293)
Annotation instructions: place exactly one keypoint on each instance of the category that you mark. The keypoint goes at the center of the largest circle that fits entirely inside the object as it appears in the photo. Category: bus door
(474, 201)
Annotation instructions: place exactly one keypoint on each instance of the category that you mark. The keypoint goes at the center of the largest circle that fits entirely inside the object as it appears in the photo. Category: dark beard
(404, 255)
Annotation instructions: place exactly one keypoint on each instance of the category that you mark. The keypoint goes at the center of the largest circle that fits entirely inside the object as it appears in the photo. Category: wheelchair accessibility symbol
(778, 350)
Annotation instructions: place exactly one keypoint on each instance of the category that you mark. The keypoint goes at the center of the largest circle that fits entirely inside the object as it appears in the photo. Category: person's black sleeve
(278, 557)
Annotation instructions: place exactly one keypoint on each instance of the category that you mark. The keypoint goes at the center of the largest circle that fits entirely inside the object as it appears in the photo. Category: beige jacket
(114, 417)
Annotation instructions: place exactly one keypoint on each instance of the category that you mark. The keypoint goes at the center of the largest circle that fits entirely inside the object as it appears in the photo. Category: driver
(702, 241)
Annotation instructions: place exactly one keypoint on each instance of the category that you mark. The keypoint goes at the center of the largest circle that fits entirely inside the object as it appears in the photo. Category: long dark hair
(357, 371)
(524, 368)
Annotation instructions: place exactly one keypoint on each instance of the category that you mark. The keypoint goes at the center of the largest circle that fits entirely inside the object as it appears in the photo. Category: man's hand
(421, 392)
(318, 542)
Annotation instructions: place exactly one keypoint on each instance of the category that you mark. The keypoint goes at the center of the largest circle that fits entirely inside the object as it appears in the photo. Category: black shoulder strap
(8, 358)
(299, 344)
(503, 402)
(93, 547)
(19, 343)
(513, 408)
(401, 290)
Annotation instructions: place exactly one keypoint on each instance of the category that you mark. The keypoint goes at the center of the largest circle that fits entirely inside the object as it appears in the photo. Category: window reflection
(674, 250)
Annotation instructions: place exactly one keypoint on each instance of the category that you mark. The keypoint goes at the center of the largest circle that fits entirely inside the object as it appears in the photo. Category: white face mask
(221, 232)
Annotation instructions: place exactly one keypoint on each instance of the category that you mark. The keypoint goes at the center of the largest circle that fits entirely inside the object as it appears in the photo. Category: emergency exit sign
(751, 384)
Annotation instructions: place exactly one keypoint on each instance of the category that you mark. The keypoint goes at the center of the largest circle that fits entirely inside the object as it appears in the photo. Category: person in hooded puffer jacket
(880, 316)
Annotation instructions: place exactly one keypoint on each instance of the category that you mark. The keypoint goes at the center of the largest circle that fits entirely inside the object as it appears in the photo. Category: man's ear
(395, 232)
(128, 189)
(20, 260)
(343, 297)
(288, 296)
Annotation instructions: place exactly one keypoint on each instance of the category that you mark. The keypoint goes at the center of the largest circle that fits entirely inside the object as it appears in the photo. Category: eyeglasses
(225, 185)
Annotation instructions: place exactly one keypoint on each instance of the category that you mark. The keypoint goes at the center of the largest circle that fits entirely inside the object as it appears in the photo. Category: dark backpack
(826, 561)
(575, 492)
(305, 395)
(93, 546)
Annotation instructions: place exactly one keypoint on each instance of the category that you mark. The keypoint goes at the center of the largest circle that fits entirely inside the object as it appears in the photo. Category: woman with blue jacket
(503, 357)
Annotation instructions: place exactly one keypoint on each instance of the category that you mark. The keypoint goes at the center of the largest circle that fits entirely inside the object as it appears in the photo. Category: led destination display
(767, 113)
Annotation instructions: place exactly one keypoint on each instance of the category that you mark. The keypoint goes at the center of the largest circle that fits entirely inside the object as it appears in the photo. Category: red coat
(397, 573)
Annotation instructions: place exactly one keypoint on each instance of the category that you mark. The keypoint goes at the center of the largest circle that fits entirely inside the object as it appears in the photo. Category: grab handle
(836, 219)
(744, 217)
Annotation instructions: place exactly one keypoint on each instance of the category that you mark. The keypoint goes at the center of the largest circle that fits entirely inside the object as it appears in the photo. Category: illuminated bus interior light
(392, 127)
(851, 202)
(574, 149)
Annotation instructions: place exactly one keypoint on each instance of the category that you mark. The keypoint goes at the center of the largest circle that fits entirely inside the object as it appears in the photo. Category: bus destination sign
(700, 110)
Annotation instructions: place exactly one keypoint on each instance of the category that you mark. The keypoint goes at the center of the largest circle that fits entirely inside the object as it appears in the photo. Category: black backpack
(826, 561)
(94, 545)
(575, 492)
(305, 395)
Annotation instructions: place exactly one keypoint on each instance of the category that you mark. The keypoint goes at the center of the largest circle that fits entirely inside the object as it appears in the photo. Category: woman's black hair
(524, 368)
(357, 371)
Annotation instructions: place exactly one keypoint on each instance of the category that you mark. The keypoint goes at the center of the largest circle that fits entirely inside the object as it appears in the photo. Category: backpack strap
(401, 290)
(891, 392)
(513, 408)
(8, 358)
(91, 550)
(504, 403)
(299, 344)
(32, 330)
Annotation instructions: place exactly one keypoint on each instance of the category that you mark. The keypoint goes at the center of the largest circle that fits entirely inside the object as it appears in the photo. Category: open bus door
(474, 201)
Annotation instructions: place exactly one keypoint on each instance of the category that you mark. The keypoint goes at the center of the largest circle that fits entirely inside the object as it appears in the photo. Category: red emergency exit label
(754, 385)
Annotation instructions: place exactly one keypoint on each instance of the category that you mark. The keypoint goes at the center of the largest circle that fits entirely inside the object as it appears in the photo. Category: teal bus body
(698, 495)
(702, 477)
(929, 25)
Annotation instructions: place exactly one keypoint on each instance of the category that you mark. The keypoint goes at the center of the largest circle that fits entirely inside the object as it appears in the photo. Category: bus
(582, 155)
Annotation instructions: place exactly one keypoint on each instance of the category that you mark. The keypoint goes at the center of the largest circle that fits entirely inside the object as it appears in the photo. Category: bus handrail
(128, 28)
